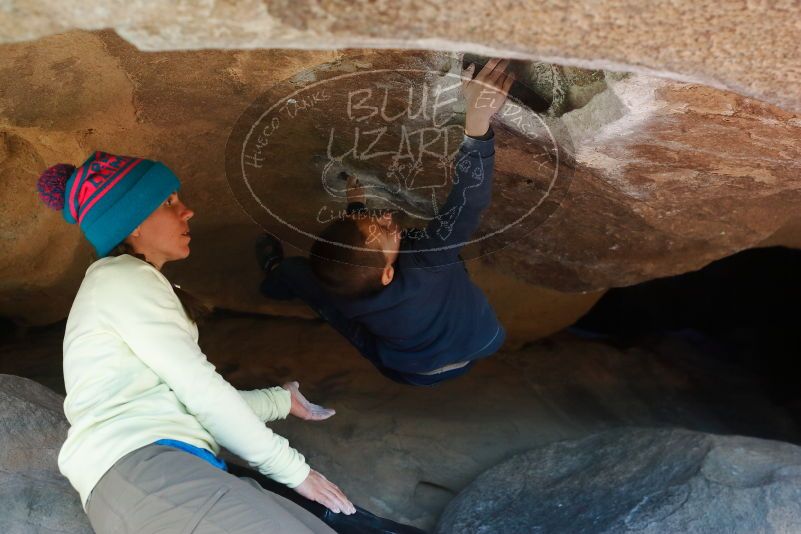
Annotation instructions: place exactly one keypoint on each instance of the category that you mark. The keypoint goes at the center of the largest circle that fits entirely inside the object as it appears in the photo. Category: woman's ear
(387, 275)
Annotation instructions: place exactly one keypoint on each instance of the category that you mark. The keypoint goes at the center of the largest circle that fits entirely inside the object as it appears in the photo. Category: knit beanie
(108, 196)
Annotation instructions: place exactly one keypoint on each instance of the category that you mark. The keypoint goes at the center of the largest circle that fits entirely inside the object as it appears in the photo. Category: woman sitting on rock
(148, 412)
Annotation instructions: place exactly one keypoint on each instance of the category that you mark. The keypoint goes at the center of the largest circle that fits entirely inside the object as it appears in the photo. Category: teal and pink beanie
(108, 196)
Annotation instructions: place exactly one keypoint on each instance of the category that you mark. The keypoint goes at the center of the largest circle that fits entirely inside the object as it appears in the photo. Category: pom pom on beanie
(52, 185)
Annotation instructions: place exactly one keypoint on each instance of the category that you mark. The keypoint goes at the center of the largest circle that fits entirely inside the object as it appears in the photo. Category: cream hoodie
(135, 374)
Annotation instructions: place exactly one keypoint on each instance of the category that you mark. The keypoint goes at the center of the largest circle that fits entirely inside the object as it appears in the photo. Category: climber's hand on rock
(355, 190)
(485, 94)
(302, 408)
(319, 489)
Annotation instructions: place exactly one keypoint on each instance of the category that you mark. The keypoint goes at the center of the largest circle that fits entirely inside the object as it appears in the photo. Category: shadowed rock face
(630, 177)
(679, 175)
(637, 480)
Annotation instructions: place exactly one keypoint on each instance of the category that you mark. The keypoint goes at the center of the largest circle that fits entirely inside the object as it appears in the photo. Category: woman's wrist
(476, 130)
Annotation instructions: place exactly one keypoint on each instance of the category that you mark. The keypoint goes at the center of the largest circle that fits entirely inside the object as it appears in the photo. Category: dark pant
(293, 278)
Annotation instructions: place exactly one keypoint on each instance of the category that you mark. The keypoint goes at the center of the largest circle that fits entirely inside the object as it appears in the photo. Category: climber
(405, 299)
(148, 412)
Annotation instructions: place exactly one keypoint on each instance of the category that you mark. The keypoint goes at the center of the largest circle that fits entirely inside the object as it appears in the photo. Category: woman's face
(164, 235)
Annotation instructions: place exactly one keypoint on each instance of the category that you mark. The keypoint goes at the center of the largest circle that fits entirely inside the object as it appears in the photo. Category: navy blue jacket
(432, 314)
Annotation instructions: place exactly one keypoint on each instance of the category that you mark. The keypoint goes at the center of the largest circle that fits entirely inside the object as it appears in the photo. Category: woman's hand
(485, 94)
(319, 489)
(302, 408)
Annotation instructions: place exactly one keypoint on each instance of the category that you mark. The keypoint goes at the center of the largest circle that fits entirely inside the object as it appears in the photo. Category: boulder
(34, 496)
(637, 480)
(684, 39)
(404, 453)
(654, 177)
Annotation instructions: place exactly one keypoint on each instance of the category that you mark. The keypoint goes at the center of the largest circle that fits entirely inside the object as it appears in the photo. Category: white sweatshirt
(135, 374)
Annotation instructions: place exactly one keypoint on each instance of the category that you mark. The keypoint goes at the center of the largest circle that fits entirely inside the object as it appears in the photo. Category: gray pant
(158, 489)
